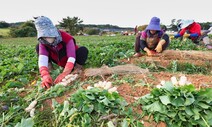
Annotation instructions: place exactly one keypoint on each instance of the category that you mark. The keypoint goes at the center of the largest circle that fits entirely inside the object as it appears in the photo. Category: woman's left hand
(68, 68)
(60, 77)
(159, 48)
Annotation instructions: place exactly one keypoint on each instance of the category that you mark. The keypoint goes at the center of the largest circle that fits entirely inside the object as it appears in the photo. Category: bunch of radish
(68, 79)
(104, 85)
(31, 108)
(182, 81)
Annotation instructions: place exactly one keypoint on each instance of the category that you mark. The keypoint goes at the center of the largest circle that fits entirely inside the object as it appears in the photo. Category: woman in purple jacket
(152, 40)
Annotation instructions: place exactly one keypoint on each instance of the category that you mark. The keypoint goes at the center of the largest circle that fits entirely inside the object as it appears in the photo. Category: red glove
(68, 68)
(151, 53)
(46, 78)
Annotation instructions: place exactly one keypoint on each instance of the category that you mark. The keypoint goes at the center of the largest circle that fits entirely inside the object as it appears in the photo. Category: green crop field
(4, 32)
(77, 105)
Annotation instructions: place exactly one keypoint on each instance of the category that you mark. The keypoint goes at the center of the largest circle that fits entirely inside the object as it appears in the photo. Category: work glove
(138, 54)
(186, 35)
(46, 78)
(171, 37)
(151, 52)
(68, 68)
(159, 48)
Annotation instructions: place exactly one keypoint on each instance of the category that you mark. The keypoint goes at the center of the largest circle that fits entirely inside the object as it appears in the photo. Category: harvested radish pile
(104, 85)
(68, 79)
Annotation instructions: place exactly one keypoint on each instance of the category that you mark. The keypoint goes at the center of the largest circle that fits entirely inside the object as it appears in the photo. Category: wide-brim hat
(186, 23)
(154, 24)
(45, 27)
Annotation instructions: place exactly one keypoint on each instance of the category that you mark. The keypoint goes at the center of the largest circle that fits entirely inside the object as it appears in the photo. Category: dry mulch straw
(120, 69)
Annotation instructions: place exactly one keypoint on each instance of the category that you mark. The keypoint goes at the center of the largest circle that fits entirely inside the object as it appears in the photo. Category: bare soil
(130, 92)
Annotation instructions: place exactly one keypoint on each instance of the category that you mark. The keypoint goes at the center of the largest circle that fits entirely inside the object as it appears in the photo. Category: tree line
(74, 25)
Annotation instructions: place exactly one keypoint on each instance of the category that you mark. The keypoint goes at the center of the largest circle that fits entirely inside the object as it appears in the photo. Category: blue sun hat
(45, 28)
(186, 23)
(154, 24)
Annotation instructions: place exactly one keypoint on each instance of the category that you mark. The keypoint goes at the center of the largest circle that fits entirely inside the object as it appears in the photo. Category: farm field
(4, 32)
(140, 100)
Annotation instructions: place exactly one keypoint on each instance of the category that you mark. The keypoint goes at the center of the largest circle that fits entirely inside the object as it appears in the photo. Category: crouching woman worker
(152, 40)
(192, 30)
(59, 47)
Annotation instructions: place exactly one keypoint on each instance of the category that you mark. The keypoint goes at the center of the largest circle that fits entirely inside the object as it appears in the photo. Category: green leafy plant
(94, 108)
(184, 45)
(95, 103)
(188, 68)
(179, 106)
(17, 65)
(152, 66)
(25, 123)
(11, 107)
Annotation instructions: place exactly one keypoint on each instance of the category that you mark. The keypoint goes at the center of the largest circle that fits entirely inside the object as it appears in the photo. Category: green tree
(141, 28)
(206, 25)
(173, 25)
(91, 31)
(71, 24)
(26, 29)
(28, 24)
(4, 24)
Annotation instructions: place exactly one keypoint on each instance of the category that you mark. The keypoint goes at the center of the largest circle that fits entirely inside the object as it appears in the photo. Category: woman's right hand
(47, 81)
(151, 52)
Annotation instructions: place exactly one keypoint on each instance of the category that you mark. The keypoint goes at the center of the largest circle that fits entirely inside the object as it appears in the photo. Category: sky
(123, 13)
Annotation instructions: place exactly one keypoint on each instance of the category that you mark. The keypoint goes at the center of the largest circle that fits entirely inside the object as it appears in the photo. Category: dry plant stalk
(120, 69)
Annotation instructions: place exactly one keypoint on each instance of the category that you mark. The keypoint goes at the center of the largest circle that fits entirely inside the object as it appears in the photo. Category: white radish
(182, 81)
(100, 84)
(158, 86)
(69, 80)
(75, 75)
(63, 80)
(32, 112)
(113, 89)
(162, 82)
(104, 84)
(108, 85)
(174, 80)
(31, 106)
(136, 98)
(73, 78)
(96, 85)
(89, 87)
(68, 76)
(188, 83)
(63, 83)
(28, 109)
